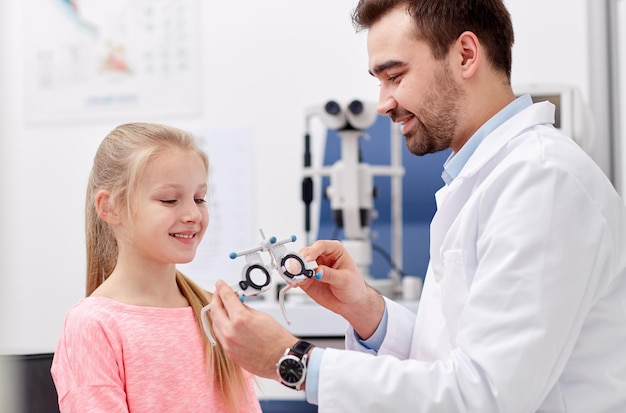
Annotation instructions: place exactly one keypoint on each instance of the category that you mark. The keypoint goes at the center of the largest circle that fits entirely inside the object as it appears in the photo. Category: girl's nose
(193, 211)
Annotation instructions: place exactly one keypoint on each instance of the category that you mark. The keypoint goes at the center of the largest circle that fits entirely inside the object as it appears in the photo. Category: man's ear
(106, 211)
(470, 52)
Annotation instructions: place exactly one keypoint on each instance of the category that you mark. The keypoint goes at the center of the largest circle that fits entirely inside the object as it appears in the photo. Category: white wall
(8, 383)
(263, 64)
(550, 42)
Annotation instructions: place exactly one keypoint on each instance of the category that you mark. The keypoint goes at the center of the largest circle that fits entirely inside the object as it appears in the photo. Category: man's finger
(217, 303)
(228, 299)
(318, 248)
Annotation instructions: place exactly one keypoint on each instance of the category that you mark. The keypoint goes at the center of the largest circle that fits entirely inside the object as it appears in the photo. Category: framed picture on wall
(92, 59)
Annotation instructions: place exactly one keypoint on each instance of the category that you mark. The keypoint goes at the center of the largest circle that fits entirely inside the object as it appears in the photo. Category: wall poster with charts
(95, 59)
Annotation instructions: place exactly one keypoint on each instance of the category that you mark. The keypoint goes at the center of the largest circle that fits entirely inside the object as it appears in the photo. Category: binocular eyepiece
(357, 115)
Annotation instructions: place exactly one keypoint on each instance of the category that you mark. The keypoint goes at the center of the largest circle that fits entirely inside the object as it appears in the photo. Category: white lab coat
(524, 303)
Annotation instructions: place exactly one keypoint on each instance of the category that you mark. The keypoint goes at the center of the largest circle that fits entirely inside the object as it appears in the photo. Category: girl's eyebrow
(163, 186)
(390, 64)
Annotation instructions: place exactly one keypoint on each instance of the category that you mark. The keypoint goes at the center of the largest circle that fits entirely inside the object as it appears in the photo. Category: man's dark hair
(441, 22)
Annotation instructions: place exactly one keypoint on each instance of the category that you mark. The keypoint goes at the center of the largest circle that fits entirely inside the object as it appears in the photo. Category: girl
(135, 343)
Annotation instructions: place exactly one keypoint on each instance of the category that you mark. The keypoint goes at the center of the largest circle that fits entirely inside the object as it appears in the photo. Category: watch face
(291, 370)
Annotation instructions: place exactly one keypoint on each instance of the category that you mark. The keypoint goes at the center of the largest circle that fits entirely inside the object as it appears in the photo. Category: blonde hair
(117, 167)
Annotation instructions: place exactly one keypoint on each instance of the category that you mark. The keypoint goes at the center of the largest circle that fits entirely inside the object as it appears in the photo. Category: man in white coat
(524, 303)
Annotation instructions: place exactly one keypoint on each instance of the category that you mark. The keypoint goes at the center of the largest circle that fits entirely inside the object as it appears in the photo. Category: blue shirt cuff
(376, 340)
(313, 375)
(315, 360)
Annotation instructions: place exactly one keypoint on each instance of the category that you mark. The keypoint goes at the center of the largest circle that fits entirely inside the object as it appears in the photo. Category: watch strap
(301, 348)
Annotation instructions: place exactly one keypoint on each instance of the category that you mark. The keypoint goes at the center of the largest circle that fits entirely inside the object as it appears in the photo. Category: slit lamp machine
(351, 191)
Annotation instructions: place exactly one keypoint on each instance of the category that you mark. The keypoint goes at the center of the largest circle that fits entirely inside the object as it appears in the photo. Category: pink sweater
(115, 357)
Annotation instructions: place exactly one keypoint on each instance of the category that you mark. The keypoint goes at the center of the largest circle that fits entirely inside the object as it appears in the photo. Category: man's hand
(340, 287)
(251, 338)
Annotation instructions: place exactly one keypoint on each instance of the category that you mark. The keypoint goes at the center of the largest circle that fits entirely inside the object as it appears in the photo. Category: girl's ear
(107, 212)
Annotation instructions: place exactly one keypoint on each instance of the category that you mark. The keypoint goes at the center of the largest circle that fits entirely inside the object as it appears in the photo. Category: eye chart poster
(90, 59)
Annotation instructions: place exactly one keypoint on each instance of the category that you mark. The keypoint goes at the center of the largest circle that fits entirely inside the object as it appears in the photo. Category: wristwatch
(291, 367)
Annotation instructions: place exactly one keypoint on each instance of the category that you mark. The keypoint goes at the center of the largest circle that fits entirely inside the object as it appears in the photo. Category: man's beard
(435, 123)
